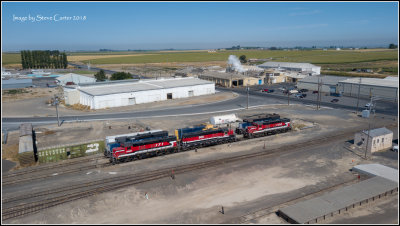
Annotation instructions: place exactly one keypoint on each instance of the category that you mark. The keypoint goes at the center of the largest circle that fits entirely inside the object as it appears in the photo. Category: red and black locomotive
(154, 143)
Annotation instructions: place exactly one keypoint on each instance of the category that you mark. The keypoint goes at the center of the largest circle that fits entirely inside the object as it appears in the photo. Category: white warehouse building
(304, 68)
(124, 93)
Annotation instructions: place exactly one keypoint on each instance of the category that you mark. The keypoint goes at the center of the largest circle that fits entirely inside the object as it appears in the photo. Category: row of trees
(43, 59)
(101, 76)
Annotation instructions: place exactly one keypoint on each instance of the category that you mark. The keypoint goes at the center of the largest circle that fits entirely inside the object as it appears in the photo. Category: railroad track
(100, 186)
(51, 170)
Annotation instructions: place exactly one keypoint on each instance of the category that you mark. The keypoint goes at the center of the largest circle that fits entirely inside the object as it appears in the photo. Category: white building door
(132, 101)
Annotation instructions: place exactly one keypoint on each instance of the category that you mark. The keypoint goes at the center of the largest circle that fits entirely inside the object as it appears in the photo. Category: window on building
(169, 96)
(383, 139)
(377, 140)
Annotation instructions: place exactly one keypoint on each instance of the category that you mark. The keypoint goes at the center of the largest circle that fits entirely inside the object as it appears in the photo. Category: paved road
(347, 103)
(256, 98)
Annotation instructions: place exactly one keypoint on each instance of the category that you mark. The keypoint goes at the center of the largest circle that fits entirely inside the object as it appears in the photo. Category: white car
(395, 148)
(369, 105)
(293, 91)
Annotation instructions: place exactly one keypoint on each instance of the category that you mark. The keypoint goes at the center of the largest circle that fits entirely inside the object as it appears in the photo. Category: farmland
(383, 61)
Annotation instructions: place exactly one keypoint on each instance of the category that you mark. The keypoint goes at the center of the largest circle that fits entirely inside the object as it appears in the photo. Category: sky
(75, 26)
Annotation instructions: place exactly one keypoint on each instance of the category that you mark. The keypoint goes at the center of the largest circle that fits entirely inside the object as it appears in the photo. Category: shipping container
(54, 154)
(223, 119)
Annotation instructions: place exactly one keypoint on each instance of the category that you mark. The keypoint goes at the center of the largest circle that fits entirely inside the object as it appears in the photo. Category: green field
(318, 57)
(11, 58)
(314, 56)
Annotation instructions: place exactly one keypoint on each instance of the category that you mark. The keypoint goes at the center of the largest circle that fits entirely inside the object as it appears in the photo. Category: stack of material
(26, 154)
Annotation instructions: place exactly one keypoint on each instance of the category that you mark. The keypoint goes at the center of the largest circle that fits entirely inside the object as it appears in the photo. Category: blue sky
(197, 25)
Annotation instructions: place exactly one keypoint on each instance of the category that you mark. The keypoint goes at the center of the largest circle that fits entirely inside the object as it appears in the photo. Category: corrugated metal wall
(125, 99)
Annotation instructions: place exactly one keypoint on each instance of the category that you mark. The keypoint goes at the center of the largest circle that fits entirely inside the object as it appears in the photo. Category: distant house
(338, 49)
(74, 78)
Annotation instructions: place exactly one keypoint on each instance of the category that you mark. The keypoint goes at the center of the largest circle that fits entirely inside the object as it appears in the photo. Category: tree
(120, 76)
(242, 59)
(101, 76)
(392, 46)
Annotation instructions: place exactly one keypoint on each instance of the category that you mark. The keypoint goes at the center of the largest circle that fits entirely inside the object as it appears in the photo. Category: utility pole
(288, 97)
(369, 129)
(318, 93)
(247, 96)
(247, 91)
(56, 102)
(358, 97)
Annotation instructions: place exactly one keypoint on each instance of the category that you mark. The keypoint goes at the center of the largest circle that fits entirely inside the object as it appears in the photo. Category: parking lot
(346, 102)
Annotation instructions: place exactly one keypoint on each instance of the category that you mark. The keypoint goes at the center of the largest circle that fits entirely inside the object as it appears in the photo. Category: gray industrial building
(329, 84)
(304, 68)
(16, 83)
(386, 89)
(74, 79)
(124, 93)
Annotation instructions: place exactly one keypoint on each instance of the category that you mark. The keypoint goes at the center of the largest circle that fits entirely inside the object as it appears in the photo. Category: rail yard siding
(54, 154)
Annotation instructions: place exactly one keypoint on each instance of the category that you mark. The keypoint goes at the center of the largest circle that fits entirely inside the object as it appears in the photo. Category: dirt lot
(197, 197)
(27, 93)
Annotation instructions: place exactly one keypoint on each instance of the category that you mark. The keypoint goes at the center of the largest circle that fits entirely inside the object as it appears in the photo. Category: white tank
(223, 119)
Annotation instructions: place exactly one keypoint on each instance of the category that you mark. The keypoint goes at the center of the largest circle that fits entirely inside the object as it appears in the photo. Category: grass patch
(314, 56)
(15, 91)
(10, 152)
(348, 74)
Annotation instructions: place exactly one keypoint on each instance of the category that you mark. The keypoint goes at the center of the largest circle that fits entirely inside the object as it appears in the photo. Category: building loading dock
(232, 79)
(384, 182)
(131, 92)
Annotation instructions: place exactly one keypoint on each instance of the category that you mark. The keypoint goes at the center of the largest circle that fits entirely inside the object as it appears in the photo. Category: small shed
(379, 139)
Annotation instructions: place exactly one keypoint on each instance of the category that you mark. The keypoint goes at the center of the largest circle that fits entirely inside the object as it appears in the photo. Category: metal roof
(223, 75)
(372, 82)
(76, 78)
(326, 80)
(378, 132)
(308, 210)
(142, 85)
(378, 170)
(288, 65)
(15, 81)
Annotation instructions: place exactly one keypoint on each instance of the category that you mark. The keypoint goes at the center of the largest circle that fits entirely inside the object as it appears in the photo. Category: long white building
(305, 68)
(124, 93)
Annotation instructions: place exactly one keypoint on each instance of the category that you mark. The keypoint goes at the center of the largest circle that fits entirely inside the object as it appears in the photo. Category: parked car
(267, 90)
(303, 90)
(314, 91)
(395, 148)
(334, 100)
(300, 95)
(282, 88)
(369, 105)
(293, 91)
